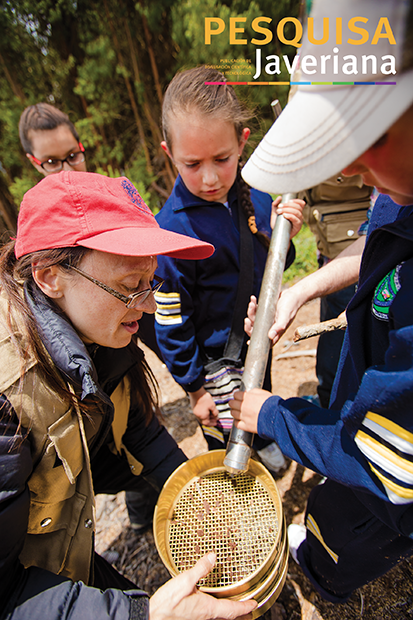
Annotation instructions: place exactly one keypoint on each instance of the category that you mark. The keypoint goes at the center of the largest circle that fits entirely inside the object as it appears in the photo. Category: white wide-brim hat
(326, 127)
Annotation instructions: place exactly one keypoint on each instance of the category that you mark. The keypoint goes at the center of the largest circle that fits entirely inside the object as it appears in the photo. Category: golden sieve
(203, 508)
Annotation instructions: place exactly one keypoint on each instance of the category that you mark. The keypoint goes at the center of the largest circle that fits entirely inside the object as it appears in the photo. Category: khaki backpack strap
(121, 402)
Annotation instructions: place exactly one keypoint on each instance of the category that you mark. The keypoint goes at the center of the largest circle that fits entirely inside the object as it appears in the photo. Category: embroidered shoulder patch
(134, 196)
(385, 293)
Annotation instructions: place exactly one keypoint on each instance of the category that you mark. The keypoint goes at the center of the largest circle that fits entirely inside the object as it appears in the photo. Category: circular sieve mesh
(234, 516)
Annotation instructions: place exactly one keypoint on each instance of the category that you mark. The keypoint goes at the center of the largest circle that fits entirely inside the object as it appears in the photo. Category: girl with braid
(204, 135)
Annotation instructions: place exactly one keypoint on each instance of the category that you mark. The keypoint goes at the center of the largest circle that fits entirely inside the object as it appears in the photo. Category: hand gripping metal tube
(238, 451)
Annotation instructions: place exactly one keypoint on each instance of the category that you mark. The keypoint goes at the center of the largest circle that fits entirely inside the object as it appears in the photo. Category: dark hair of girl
(42, 117)
(13, 274)
(188, 92)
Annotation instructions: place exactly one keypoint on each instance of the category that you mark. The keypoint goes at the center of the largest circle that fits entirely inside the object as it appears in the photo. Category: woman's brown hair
(187, 92)
(42, 117)
(14, 273)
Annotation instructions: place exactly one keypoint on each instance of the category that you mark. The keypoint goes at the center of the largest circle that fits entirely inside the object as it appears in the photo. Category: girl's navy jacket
(196, 303)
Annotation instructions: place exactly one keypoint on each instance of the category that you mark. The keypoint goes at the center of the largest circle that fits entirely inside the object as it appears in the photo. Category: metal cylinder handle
(238, 450)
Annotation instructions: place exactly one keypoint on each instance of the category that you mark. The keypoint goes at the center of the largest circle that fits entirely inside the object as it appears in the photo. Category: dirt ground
(387, 598)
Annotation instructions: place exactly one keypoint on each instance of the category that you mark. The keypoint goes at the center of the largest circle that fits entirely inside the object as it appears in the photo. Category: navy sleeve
(367, 445)
(316, 438)
(174, 322)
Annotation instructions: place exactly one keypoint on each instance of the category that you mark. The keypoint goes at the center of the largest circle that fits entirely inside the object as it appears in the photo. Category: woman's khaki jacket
(62, 510)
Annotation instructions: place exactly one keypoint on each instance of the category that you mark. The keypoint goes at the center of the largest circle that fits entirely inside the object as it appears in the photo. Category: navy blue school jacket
(196, 303)
(365, 439)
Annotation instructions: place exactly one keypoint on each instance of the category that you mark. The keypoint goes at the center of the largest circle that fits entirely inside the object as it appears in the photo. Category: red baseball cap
(91, 210)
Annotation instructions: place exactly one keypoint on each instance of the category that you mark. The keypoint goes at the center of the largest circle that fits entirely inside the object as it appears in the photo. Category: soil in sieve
(387, 598)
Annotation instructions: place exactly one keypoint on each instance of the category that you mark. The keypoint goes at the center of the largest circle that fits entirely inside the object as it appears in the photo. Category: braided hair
(245, 202)
(188, 91)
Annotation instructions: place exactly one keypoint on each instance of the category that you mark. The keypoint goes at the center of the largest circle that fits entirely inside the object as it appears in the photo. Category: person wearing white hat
(326, 126)
(359, 522)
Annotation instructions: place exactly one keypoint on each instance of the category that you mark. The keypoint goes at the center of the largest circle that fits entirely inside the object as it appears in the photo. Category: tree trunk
(152, 58)
(156, 132)
(8, 212)
(130, 91)
(96, 134)
(17, 91)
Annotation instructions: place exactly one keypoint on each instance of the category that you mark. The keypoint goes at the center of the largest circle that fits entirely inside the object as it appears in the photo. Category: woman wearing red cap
(77, 400)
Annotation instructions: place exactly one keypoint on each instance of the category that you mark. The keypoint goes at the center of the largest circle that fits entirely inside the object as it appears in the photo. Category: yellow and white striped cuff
(389, 449)
(168, 311)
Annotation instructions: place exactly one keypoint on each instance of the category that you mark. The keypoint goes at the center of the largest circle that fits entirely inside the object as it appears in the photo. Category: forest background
(107, 63)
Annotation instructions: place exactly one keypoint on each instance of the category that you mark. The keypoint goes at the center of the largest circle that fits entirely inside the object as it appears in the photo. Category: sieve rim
(202, 465)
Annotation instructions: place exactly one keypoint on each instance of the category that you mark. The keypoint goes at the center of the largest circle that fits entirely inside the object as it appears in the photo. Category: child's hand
(250, 318)
(245, 407)
(291, 210)
(289, 302)
(204, 407)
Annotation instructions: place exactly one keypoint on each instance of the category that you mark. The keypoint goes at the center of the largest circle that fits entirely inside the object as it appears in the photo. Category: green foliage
(188, 32)
(12, 157)
(20, 186)
(106, 63)
(236, 61)
(98, 68)
(306, 256)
